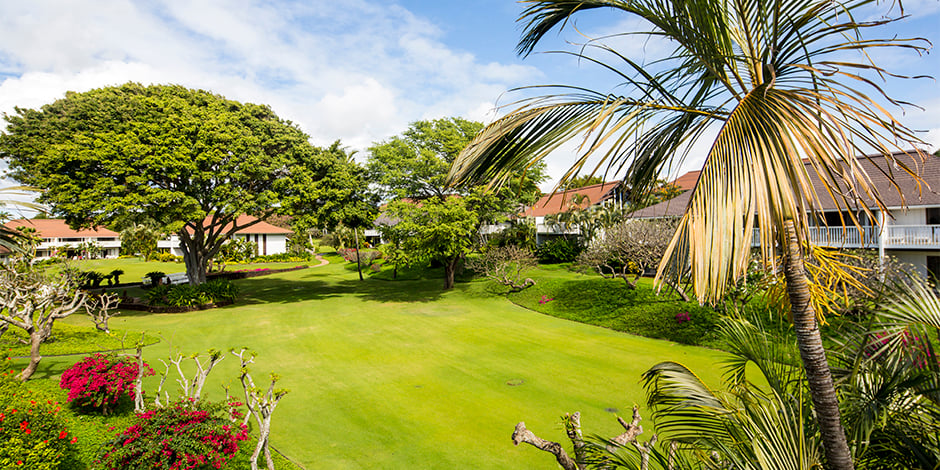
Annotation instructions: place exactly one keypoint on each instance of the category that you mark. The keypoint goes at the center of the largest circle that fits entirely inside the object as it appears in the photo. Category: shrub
(167, 258)
(157, 295)
(184, 435)
(115, 276)
(219, 290)
(559, 250)
(98, 382)
(155, 277)
(32, 435)
(91, 278)
(185, 295)
(292, 257)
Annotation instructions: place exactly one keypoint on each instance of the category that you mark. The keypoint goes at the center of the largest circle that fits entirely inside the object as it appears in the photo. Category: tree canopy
(188, 159)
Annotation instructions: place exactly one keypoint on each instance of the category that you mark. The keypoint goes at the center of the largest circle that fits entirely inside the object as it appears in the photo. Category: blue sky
(355, 70)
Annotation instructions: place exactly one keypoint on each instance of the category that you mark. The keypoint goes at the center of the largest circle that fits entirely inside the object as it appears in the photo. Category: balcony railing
(897, 237)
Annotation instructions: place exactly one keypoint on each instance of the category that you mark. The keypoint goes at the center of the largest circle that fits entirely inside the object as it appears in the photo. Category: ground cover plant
(400, 374)
(611, 304)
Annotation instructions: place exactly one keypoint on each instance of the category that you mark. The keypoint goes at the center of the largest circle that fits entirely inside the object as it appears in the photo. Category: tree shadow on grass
(285, 291)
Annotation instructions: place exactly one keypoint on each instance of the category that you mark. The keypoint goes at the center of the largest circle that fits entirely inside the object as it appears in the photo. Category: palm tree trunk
(808, 339)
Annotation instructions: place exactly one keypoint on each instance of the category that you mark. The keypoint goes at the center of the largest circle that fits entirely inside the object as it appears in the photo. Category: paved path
(320, 258)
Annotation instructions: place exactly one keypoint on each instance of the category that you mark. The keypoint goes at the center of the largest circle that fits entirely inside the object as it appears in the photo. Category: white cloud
(354, 70)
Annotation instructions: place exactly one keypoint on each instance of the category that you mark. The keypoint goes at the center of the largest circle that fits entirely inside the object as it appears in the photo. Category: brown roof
(908, 192)
(560, 201)
(688, 180)
(57, 228)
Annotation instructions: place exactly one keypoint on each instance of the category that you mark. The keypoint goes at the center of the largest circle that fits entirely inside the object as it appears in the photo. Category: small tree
(505, 266)
(261, 404)
(101, 308)
(628, 249)
(441, 230)
(33, 302)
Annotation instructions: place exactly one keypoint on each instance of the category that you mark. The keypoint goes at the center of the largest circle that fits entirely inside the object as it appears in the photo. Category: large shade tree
(780, 81)
(188, 159)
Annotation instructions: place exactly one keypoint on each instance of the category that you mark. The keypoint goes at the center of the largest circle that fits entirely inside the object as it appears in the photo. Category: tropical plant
(99, 381)
(777, 80)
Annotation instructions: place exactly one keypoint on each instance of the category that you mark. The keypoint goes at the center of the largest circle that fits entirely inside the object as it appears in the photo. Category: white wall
(277, 244)
(916, 216)
(916, 258)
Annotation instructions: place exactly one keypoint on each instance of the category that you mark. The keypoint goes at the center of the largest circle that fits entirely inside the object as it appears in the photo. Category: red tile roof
(57, 228)
(560, 201)
(258, 228)
(688, 180)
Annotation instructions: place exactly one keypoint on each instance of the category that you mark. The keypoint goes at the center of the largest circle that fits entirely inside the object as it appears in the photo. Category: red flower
(63, 434)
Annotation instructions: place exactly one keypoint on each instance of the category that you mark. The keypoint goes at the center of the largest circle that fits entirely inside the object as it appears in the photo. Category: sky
(355, 70)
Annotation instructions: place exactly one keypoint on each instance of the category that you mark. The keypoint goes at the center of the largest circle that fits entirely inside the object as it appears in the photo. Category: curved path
(321, 259)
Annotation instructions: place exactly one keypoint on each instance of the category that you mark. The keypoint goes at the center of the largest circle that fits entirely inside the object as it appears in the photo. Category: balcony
(897, 237)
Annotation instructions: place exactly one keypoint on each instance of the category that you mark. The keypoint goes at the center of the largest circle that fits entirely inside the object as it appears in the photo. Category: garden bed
(244, 274)
(143, 307)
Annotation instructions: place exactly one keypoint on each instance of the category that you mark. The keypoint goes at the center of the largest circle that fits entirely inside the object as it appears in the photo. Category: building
(56, 237)
(910, 228)
(565, 200)
(269, 239)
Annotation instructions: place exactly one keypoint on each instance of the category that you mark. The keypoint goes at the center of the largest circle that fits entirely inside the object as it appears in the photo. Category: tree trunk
(450, 267)
(822, 390)
(196, 259)
(35, 340)
(358, 262)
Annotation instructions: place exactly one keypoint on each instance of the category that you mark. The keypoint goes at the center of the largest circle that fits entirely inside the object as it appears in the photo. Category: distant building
(911, 234)
(565, 200)
(270, 240)
(57, 236)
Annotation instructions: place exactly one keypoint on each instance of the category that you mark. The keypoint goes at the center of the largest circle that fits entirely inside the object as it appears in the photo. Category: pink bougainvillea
(186, 436)
(100, 380)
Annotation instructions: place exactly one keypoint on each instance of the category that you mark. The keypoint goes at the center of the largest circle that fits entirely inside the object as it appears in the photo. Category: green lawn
(397, 374)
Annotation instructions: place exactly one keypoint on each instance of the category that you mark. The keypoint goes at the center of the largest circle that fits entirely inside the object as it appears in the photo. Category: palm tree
(10, 239)
(780, 80)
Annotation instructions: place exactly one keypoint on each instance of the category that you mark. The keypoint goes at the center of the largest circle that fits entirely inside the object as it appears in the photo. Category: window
(933, 216)
(933, 268)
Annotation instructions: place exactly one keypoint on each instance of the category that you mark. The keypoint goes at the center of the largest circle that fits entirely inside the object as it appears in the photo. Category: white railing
(898, 236)
(845, 237)
(913, 236)
(556, 229)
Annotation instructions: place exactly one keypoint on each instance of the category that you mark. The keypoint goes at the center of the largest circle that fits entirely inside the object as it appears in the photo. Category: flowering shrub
(545, 299)
(31, 434)
(682, 317)
(186, 435)
(99, 381)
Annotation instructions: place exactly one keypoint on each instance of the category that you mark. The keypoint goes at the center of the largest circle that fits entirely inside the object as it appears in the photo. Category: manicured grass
(398, 374)
(73, 339)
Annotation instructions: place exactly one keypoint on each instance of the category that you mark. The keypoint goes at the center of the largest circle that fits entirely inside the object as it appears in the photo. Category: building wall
(916, 216)
(918, 259)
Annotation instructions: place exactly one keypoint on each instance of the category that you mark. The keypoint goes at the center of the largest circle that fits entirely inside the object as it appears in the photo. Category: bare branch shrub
(33, 302)
(585, 454)
(189, 389)
(261, 404)
(628, 249)
(505, 265)
(100, 308)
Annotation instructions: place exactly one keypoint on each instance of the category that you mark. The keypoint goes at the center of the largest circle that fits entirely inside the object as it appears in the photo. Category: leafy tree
(582, 181)
(776, 79)
(342, 197)
(140, 239)
(414, 164)
(436, 229)
(188, 159)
